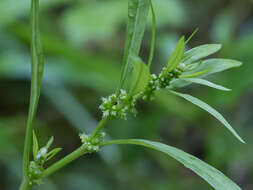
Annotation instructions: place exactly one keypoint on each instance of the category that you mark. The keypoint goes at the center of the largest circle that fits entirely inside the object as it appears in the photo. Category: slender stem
(37, 66)
(37, 70)
(63, 162)
(152, 47)
(100, 125)
(25, 185)
(74, 155)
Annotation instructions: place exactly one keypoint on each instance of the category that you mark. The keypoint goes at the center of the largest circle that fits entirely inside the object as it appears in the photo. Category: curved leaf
(141, 77)
(206, 83)
(137, 16)
(211, 175)
(176, 55)
(210, 110)
(200, 52)
(213, 65)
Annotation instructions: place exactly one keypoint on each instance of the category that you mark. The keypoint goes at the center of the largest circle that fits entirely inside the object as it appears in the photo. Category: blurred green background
(83, 43)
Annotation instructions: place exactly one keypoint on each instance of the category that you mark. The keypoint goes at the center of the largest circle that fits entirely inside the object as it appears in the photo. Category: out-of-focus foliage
(83, 43)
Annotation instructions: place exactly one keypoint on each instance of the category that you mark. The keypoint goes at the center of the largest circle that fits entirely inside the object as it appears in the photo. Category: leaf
(191, 36)
(210, 110)
(194, 74)
(141, 76)
(206, 83)
(52, 153)
(137, 16)
(50, 142)
(200, 52)
(211, 175)
(218, 65)
(213, 65)
(35, 145)
(176, 55)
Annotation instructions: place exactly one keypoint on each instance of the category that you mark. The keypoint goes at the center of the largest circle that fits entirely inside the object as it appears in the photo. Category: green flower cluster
(161, 81)
(34, 173)
(92, 144)
(117, 106)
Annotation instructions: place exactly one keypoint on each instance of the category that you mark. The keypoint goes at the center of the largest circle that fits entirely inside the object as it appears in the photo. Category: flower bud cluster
(92, 144)
(34, 173)
(161, 81)
(117, 106)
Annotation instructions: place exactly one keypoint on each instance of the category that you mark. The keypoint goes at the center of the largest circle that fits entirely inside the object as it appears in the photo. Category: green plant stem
(63, 162)
(37, 71)
(25, 185)
(37, 66)
(152, 47)
(100, 126)
(74, 155)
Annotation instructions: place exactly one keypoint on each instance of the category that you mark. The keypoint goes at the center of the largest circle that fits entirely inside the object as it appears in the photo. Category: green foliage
(205, 83)
(211, 175)
(210, 110)
(200, 52)
(177, 55)
(140, 79)
(137, 16)
(181, 70)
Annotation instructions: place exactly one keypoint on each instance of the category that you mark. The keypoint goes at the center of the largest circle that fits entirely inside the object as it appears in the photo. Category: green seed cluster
(117, 106)
(92, 144)
(34, 173)
(161, 81)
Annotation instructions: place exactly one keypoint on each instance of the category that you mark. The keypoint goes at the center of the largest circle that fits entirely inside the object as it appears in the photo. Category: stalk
(37, 67)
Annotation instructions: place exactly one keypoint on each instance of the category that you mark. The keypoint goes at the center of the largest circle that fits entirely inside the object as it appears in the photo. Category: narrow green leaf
(218, 65)
(137, 16)
(200, 52)
(211, 175)
(52, 153)
(191, 36)
(206, 83)
(140, 79)
(35, 145)
(210, 110)
(50, 142)
(212, 65)
(176, 55)
(194, 74)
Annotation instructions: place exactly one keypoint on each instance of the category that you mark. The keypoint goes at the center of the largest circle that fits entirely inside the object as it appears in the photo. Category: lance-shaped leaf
(210, 110)
(140, 79)
(176, 55)
(49, 143)
(35, 145)
(52, 153)
(206, 83)
(211, 175)
(200, 52)
(213, 65)
(137, 16)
